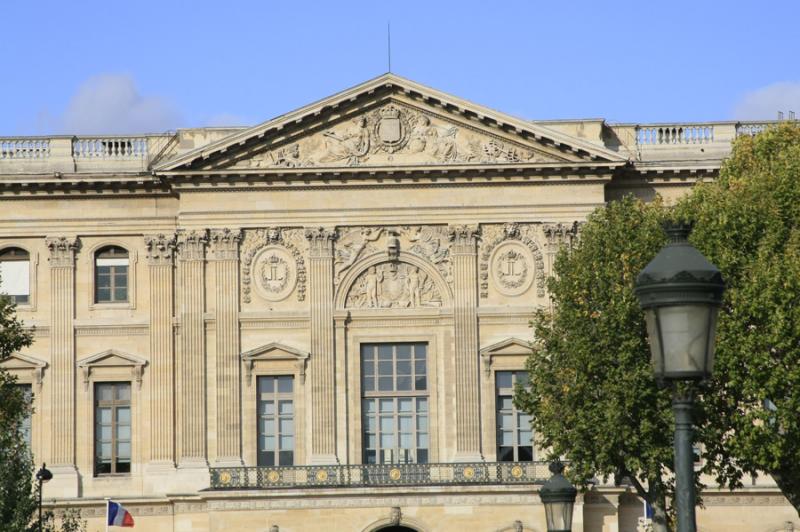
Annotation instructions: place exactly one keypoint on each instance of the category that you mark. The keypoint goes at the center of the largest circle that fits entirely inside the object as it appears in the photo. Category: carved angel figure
(350, 146)
(439, 143)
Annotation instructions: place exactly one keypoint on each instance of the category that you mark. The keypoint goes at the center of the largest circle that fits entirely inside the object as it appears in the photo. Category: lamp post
(558, 498)
(43, 475)
(680, 292)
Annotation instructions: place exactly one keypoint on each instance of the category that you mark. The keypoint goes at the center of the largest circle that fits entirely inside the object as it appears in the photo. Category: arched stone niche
(380, 283)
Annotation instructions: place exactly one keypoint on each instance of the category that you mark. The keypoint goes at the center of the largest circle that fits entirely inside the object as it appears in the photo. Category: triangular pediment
(22, 362)
(510, 346)
(274, 351)
(389, 121)
(111, 358)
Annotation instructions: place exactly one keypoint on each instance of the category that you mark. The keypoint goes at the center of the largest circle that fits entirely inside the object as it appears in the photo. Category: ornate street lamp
(680, 292)
(558, 498)
(43, 475)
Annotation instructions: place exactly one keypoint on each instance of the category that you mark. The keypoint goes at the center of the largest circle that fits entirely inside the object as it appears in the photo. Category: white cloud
(764, 103)
(112, 104)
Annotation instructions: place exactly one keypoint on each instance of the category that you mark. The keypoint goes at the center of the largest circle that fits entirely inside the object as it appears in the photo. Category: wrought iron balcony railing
(372, 475)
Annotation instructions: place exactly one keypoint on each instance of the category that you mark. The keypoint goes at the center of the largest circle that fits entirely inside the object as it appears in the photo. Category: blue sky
(118, 67)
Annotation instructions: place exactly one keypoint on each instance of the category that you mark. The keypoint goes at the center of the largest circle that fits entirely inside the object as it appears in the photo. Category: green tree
(748, 223)
(592, 393)
(18, 499)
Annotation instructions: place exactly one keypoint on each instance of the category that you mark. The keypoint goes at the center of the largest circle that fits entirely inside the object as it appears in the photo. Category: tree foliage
(748, 223)
(18, 500)
(592, 392)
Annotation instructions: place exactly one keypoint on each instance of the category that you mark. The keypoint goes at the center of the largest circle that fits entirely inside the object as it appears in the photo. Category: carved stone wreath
(510, 269)
(512, 232)
(252, 248)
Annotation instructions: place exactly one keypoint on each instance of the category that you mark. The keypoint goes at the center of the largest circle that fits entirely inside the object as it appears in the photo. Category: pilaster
(323, 349)
(464, 253)
(160, 256)
(225, 257)
(62, 356)
(190, 367)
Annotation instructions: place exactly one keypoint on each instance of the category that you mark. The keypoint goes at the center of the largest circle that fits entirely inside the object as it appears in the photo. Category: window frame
(114, 404)
(91, 261)
(32, 260)
(276, 397)
(378, 398)
(502, 392)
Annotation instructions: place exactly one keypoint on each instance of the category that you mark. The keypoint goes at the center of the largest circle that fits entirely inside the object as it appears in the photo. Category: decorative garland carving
(510, 232)
(280, 239)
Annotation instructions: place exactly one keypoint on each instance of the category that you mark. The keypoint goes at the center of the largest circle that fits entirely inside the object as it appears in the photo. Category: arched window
(15, 270)
(111, 275)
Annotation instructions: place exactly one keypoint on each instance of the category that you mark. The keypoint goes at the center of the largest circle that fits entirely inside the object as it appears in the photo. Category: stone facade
(385, 214)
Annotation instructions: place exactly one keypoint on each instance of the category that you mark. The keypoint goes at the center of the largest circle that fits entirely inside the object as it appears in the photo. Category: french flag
(117, 515)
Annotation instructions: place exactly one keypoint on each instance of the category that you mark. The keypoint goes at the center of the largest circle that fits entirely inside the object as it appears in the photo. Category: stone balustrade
(24, 148)
(110, 148)
(675, 134)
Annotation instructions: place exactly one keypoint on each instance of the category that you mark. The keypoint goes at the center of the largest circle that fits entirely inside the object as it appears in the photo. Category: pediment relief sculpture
(393, 285)
(428, 242)
(396, 135)
(273, 264)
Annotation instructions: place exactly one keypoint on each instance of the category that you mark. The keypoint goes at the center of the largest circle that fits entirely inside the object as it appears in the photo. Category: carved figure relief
(513, 258)
(273, 262)
(395, 134)
(393, 285)
(351, 246)
(432, 244)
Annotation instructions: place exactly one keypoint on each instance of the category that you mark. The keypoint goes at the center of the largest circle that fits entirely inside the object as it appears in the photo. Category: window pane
(404, 384)
(387, 441)
(369, 457)
(103, 294)
(525, 453)
(406, 404)
(371, 441)
(104, 415)
(505, 402)
(123, 466)
(403, 352)
(385, 368)
(287, 426)
(123, 450)
(505, 454)
(285, 384)
(419, 367)
(268, 427)
(121, 293)
(385, 384)
(421, 384)
(15, 277)
(285, 408)
(369, 368)
(522, 378)
(404, 367)
(267, 408)
(525, 437)
(268, 443)
(369, 384)
(385, 352)
(105, 432)
(124, 432)
(507, 421)
(422, 456)
(422, 440)
(266, 384)
(386, 405)
(287, 442)
(103, 468)
(124, 415)
(422, 423)
(266, 459)
(503, 379)
(405, 423)
(123, 392)
(371, 423)
(420, 350)
(405, 441)
(286, 458)
(506, 438)
(422, 405)
(105, 450)
(370, 405)
(387, 424)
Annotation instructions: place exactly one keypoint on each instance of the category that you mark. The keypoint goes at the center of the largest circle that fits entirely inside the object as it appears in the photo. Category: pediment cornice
(378, 96)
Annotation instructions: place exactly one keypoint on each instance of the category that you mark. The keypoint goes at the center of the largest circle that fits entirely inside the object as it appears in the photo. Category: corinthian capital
(463, 237)
(320, 241)
(225, 243)
(62, 250)
(192, 244)
(160, 249)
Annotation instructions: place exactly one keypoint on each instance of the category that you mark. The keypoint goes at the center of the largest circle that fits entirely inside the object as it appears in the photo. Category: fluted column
(225, 256)
(191, 360)
(322, 364)
(465, 292)
(160, 255)
(62, 351)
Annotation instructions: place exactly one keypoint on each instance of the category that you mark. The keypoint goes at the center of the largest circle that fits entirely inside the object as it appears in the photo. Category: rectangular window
(394, 383)
(276, 420)
(111, 282)
(112, 428)
(514, 433)
(27, 393)
(15, 277)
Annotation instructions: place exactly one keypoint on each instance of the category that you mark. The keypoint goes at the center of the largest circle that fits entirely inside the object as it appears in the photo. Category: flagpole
(107, 505)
